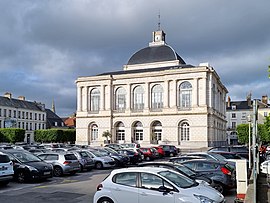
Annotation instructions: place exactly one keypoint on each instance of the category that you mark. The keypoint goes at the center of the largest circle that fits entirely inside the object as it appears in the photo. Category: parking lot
(77, 188)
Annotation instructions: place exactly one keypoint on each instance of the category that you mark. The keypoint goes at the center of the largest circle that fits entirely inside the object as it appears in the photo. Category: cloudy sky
(46, 45)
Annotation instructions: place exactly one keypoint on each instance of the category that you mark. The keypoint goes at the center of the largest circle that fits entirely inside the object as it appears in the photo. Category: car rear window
(70, 157)
(4, 158)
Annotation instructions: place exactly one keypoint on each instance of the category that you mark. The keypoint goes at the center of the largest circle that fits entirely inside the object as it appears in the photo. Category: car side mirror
(164, 190)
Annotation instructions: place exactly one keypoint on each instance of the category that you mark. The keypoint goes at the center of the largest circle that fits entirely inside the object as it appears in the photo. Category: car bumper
(6, 177)
(41, 174)
(69, 169)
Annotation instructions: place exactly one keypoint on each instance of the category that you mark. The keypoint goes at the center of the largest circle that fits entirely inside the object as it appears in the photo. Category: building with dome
(156, 99)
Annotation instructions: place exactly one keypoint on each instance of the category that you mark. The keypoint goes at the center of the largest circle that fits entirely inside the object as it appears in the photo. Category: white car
(151, 184)
(6, 169)
(265, 167)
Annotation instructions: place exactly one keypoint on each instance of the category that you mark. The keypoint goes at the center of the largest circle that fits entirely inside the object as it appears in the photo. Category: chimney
(229, 102)
(21, 98)
(265, 99)
(8, 95)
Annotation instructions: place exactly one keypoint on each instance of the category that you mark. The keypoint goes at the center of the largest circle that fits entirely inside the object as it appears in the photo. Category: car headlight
(204, 199)
(32, 168)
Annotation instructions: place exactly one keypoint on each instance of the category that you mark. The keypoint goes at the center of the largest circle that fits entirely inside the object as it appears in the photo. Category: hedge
(12, 135)
(55, 135)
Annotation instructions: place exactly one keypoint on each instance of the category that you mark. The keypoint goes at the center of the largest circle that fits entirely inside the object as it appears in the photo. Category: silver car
(63, 162)
(101, 160)
(86, 162)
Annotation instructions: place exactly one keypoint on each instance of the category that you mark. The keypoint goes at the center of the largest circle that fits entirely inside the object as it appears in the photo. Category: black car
(183, 158)
(180, 168)
(134, 157)
(221, 173)
(169, 150)
(28, 167)
(240, 150)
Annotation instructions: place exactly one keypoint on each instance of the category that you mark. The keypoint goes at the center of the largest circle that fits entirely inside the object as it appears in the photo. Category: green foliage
(262, 133)
(106, 134)
(242, 133)
(12, 135)
(55, 135)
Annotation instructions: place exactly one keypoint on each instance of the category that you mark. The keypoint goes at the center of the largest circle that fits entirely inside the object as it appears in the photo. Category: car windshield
(25, 157)
(218, 157)
(97, 153)
(110, 150)
(178, 179)
(185, 170)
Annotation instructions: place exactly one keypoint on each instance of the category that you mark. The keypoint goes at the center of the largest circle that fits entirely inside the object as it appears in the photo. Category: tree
(242, 133)
(107, 134)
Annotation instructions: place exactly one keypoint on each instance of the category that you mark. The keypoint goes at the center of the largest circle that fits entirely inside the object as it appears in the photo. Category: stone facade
(176, 103)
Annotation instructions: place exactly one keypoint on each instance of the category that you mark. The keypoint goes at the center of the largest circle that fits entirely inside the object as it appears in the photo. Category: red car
(160, 151)
(149, 153)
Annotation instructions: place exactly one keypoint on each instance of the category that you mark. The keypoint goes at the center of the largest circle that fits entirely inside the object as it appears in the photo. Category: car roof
(140, 169)
(203, 160)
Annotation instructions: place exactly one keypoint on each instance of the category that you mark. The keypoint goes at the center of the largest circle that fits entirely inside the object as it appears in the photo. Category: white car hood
(204, 190)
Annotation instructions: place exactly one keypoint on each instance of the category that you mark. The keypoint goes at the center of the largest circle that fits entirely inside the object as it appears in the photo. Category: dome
(154, 54)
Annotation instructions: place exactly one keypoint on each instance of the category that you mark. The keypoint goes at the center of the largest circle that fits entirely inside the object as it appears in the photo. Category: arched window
(120, 131)
(157, 97)
(156, 133)
(94, 100)
(138, 100)
(185, 95)
(138, 131)
(120, 99)
(94, 132)
(184, 131)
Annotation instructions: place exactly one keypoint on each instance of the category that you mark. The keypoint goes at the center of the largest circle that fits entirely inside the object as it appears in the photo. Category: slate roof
(154, 54)
(243, 105)
(147, 70)
(17, 103)
(53, 118)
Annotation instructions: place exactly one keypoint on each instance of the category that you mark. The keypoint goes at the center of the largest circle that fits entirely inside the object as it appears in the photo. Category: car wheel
(99, 165)
(147, 158)
(57, 171)
(21, 177)
(105, 200)
(219, 187)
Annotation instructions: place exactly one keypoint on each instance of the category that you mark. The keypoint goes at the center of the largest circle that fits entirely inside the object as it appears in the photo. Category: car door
(124, 187)
(150, 189)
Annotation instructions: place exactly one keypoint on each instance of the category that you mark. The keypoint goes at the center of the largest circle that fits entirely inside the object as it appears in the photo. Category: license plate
(47, 173)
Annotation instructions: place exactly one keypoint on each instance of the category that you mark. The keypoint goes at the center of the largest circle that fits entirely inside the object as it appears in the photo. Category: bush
(12, 135)
(55, 135)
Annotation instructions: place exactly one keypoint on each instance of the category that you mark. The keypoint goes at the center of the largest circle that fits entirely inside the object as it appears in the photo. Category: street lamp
(249, 151)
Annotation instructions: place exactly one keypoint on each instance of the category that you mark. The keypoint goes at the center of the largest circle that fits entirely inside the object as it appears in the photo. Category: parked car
(148, 153)
(114, 146)
(101, 160)
(183, 158)
(28, 167)
(120, 159)
(180, 168)
(160, 151)
(265, 167)
(169, 150)
(211, 156)
(134, 157)
(240, 150)
(131, 145)
(222, 174)
(63, 162)
(38, 151)
(151, 184)
(86, 162)
(6, 169)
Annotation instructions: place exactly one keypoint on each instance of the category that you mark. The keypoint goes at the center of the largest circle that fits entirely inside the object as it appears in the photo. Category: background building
(19, 113)
(240, 112)
(157, 98)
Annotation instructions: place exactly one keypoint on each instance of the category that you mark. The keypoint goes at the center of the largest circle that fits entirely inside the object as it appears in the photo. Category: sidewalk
(263, 190)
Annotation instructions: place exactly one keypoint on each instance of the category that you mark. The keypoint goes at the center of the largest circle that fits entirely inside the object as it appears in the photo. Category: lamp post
(249, 151)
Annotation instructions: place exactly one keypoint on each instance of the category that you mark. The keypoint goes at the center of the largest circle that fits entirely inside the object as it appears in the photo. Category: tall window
(120, 99)
(157, 97)
(94, 132)
(94, 100)
(138, 131)
(184, 131)
(120, 131)
(156, 131)
(185, 93)
(138, 101)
